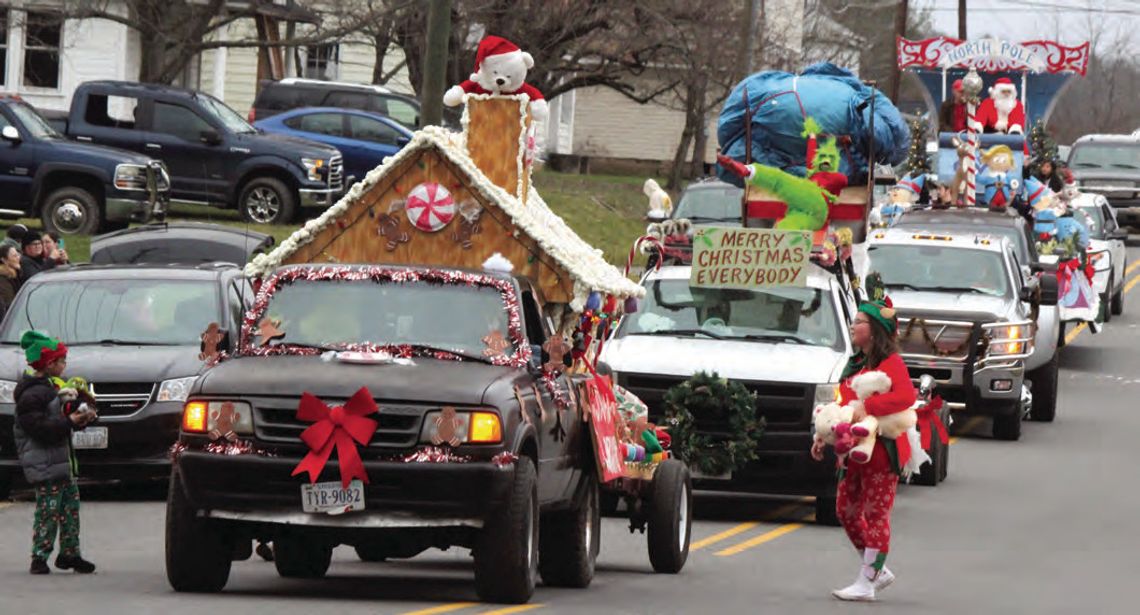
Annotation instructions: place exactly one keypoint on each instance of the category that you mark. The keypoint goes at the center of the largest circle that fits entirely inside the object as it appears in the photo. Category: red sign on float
(603, 425)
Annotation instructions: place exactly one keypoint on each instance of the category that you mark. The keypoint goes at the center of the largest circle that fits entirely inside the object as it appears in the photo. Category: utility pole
(748, 49)
(435, 62)
(900, 30)
(961, 20)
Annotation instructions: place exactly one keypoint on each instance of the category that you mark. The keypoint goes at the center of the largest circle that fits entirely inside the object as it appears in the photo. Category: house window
(42, 35)
(321, 61)
(3, 46)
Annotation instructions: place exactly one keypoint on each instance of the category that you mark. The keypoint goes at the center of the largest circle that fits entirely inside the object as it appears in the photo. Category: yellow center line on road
(514, 609)
(1072, 335)
(443, 608)
(968, 427)
(784, 529)
(1129, 269)
(729, 533)
(1132, 282)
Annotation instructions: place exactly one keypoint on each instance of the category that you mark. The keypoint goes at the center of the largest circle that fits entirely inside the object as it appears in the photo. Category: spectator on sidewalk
(53, 250)
(43, 442)
(9, 275)
(32, 261)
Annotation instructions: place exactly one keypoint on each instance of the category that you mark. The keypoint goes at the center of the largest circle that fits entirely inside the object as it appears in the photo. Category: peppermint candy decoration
(430, 207)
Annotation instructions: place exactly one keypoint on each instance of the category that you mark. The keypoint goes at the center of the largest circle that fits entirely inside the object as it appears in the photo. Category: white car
(1106, 249)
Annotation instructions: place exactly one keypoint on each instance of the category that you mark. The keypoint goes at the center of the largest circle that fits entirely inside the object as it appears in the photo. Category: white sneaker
(884, 579)
(862, 590)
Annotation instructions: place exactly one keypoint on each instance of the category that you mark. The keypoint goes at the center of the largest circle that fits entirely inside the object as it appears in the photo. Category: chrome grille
(952, 340)
(336, 172)
(121, 398)
(275, 420)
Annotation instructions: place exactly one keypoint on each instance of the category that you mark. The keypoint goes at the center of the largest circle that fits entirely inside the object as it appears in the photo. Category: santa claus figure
(1002, 111)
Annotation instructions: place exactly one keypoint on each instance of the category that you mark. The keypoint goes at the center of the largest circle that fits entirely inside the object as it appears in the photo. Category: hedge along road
(1041, 525)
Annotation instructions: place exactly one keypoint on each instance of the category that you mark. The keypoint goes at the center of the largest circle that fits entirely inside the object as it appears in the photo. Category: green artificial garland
(719, 401)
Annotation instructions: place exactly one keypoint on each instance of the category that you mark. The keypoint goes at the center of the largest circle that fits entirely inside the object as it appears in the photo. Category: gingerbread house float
(456, 200)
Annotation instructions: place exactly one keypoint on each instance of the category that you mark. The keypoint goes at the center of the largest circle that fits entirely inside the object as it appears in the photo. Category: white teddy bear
(867, 430)
(660, 205)
(500, 68)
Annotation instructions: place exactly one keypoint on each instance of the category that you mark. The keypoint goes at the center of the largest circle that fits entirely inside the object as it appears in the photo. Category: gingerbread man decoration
(211, 337)
(556, 350)
(224, 419)
(268, 330)
(447, 426)
(389, 227)
(496, 344)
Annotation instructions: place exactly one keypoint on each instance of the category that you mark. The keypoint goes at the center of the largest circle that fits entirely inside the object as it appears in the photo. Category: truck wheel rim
(588, 535)
(69, 216)
(683, 519)
(530, 531)
(263, 205)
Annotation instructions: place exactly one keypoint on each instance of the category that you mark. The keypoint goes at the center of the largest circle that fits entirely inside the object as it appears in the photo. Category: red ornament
(430, 207)
(336, 428)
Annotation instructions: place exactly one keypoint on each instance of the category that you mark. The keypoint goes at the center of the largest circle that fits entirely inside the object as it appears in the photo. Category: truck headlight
(1011, 332)
(130, 177)
(467, 427)
(206, 416)
(313, 167)
(177, 389)
(826, 393)
(7, 392)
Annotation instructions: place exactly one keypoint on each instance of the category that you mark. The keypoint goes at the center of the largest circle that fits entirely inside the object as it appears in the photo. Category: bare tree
(173, 32)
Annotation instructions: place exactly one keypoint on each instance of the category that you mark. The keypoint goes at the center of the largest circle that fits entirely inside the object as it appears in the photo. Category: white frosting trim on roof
(585, 264)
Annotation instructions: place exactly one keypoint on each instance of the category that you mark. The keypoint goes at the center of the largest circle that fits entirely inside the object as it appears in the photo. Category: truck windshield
(710, 203)
(1106, 156)
(228, 117)
(940, 269)
(33, 122)
(121, 311)
(442, 316)
(795, 315)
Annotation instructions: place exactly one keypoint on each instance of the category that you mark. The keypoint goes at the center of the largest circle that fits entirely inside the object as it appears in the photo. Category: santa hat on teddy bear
(492, 45)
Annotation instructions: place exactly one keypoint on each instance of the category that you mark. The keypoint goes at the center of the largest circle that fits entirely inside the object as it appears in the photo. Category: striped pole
(973, 127)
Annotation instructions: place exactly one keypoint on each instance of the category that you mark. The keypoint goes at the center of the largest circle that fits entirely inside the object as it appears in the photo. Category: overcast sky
(1023, 20)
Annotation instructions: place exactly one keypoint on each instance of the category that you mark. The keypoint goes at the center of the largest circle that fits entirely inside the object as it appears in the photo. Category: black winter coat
(42, 432)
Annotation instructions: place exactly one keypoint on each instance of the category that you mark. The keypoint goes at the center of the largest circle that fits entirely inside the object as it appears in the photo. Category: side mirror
(402, 141)
(1119, 234)
(210, 137)
(10, 134)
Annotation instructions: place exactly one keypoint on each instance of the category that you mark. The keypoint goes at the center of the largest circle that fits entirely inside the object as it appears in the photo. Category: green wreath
(719, 402)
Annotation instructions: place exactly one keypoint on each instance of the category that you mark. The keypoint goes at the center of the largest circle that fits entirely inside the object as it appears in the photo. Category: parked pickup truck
(786, 345)
(473, 446)
(1110, 165)
(74, 188)
(214, 156)
(969, 314)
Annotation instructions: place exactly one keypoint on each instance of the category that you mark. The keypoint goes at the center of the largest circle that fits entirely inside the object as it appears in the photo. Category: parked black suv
(214, 156)
(288, 94)
(133, 332)
(75, 188)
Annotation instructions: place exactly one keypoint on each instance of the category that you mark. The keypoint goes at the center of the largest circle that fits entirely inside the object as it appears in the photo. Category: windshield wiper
(679, 332)
(774, 337)
(903, 285)
(463, 355)
(955, 289)
(1086, 164)
(323, 347)
(711, 218)
(1122, 165)
(121, 342)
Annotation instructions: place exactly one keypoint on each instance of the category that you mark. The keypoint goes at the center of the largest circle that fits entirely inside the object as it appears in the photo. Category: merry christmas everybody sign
(749, 257)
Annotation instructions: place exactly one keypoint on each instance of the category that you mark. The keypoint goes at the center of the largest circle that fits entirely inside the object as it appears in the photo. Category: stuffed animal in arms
(500, 68)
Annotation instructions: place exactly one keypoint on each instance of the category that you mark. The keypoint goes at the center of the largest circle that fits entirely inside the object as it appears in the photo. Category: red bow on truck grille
(339, 427)
(929, 422)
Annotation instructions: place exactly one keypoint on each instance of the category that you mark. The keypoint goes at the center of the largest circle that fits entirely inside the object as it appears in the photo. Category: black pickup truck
(473, 444)
(75, 188)
(214, 156)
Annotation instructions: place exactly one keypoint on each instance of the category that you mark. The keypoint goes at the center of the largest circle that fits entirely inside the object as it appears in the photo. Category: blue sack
(828, 93)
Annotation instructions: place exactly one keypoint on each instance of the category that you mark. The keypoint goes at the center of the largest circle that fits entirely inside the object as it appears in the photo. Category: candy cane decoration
(973, 127)
(637, 245)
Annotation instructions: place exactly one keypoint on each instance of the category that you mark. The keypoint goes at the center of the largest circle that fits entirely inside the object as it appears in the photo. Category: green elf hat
(882, 311)
(41, 349)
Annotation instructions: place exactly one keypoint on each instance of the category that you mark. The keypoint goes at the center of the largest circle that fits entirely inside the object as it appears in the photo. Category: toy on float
(901, 198)
(1061, 235)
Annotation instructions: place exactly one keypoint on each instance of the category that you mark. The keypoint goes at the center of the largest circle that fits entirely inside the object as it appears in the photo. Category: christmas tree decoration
(917, 158)
(1042, 148)
(717, 401)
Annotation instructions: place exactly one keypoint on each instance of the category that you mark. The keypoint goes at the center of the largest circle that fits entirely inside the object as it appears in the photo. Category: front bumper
(973, 392)
(261, 489)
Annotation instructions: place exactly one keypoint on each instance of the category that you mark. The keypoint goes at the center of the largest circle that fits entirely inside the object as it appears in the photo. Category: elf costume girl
(866, 491)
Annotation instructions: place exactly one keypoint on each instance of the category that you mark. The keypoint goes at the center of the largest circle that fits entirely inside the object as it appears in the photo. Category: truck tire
(506, 551)
(1106, 299)
(670, 517)
(569, 541)
(267, 200)
(198, 556)
(71, 211)
(371, 552)
(1044, 381)
(301, 557)
(825, 513)
(1118, 298)
(5, 486)
(1007, 422)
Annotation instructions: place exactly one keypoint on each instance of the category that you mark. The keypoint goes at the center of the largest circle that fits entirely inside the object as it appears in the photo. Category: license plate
(695, 473)
(331, 498)
(92, 437)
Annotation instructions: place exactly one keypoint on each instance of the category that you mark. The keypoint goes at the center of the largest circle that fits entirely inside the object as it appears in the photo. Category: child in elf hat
(43, 442)
(866, 491)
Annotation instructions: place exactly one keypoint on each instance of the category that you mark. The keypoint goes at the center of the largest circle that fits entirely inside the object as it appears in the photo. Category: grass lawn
(606, 210)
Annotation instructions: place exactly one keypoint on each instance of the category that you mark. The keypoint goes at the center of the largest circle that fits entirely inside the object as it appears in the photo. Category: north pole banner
(603, 416)
(728, 257)
(430, 207)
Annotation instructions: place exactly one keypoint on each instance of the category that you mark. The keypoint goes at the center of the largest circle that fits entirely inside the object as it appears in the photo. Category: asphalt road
(1043, 525)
